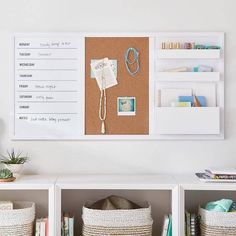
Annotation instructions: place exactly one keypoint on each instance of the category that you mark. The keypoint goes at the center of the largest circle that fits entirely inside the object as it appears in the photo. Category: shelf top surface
(165, 182)
(191, 182)
(30, 182)
(135, 182)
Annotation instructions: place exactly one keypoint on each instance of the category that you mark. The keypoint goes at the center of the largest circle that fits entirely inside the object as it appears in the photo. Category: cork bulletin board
(114, 48)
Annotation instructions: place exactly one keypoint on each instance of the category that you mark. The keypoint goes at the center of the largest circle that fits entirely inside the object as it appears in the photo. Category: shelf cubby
(194, 193)
(188, 120)
(33, 188)
(188, 53)
(188, 76)
(160, 191)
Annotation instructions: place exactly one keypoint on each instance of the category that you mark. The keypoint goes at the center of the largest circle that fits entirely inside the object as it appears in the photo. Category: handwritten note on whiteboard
(46, 88)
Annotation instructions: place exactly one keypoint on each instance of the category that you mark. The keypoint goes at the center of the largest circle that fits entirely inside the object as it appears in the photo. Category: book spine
(62, 227)
(37, 228)
(188, 233)
(165, 226)
(42, 228)
(71, 226)
(46, 227)
(66, 225)
(169, 231)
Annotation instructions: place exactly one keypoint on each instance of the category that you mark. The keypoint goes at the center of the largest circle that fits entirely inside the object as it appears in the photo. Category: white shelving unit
(33, 188)
(166, 193)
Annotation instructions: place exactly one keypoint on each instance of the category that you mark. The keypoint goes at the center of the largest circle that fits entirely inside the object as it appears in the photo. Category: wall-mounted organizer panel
(189, 64)
(58, 95)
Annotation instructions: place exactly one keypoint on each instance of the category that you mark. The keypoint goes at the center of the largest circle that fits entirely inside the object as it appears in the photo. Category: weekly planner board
(46, 98)
(58, 94)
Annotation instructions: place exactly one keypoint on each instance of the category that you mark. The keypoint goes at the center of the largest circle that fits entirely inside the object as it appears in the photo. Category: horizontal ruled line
(45, 48)
(36, 91)
(19, 80)
(48, 69)
(55, 113)
(47, 101)
(38, 59)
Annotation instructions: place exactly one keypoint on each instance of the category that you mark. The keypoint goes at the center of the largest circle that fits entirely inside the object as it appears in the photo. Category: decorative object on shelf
(218, 175)
(129, 62)
(6, 176)
(116, 216)
(19, 221)
(187, 45)
(15, 162)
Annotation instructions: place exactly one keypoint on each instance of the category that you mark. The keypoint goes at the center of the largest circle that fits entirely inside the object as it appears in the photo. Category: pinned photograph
(126, 106)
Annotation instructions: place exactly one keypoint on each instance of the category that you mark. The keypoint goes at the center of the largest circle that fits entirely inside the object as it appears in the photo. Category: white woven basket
(219, 219)
(117, 222)
(19, 221)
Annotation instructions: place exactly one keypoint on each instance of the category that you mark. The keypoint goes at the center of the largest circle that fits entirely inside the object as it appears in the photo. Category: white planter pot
(16, 169)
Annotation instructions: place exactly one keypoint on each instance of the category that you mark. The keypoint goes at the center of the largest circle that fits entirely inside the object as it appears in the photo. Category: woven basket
(19, 221)
(136, 222)
(217, 223)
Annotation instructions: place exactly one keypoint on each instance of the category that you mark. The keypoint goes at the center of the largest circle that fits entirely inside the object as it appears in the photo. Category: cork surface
(128, 86)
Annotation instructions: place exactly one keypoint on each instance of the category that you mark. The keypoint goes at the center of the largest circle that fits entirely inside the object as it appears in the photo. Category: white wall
(120, 15)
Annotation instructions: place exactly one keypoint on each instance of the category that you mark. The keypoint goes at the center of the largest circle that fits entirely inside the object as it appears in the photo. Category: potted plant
(14, 162)
(6, 176)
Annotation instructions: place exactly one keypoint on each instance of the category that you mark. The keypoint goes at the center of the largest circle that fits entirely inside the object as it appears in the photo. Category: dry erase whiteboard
(47, 91)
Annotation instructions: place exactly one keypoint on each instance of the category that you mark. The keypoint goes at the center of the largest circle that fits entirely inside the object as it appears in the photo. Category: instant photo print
(126, 106)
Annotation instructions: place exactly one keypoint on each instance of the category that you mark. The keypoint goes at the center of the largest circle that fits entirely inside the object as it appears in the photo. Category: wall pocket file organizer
(81, 86)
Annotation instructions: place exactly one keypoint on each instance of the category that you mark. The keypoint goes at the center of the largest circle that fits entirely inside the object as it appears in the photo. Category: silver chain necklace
(128, 62)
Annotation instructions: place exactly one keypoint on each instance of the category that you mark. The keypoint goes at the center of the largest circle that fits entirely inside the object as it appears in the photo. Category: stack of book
(167, 226)
(218, 175)
(41, 227)
(67, 225)
(192, 224)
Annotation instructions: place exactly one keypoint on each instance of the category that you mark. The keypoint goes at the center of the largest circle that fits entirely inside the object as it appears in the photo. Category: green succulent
(14, 158)
(5, 174)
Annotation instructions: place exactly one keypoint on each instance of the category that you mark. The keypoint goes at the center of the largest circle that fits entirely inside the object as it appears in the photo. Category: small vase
(15, 169)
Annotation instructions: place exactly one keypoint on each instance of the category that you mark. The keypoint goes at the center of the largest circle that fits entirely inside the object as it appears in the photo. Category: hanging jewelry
(128, 62)
(103, 106)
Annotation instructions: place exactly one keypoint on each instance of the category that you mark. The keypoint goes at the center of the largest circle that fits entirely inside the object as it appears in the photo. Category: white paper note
(104, 74)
